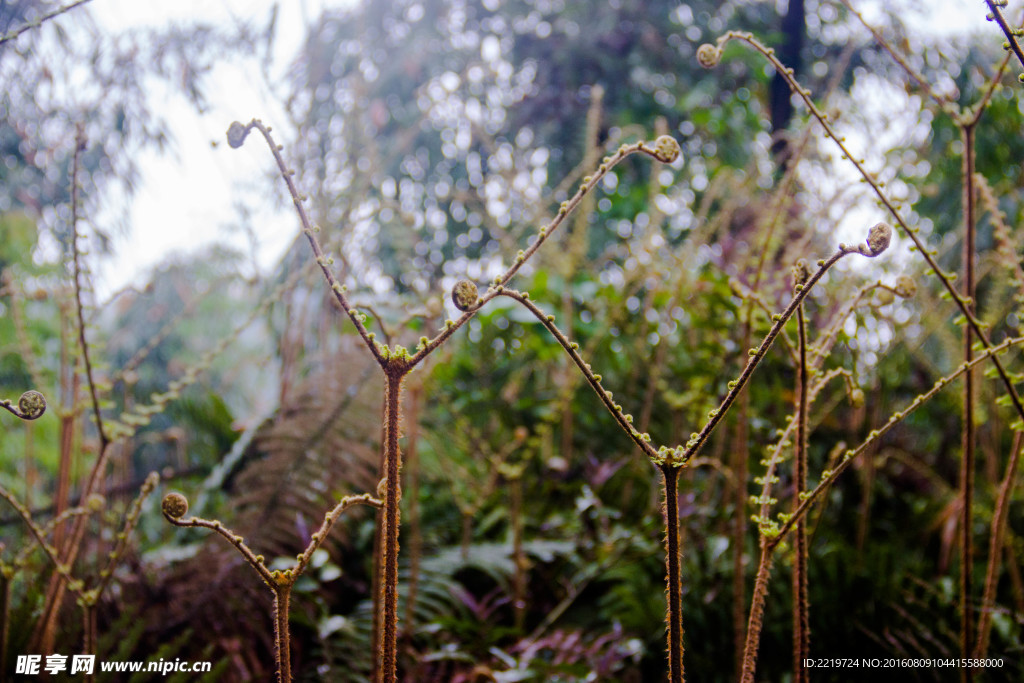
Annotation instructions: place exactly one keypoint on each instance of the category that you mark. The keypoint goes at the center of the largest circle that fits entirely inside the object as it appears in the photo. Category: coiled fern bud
(905, 287)
(237, 134)
(174, 506)
(857, 397)
(32, 405)
(708, 55)
(878, 239)
(666, 149)
(464, 295)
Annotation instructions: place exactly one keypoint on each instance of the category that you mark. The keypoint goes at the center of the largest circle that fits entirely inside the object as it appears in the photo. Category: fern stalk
(395, 372)
(996, 539)
(740, 466)
(756, 620)
(282, 639)
(967, 461)
(415, 528)
(801, 625)
(673, 581)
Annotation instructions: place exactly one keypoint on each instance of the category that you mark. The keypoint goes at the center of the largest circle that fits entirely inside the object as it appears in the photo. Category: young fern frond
(76, 253)
(877, 241)
(774, 532)
(280, 581)
(830, 475)
(31, 405)
(965, 120)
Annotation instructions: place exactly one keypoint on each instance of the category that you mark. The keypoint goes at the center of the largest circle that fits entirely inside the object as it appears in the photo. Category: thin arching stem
(38, 22)
(79, 308)
(309, 230)
(1011, 35)
(828, 477)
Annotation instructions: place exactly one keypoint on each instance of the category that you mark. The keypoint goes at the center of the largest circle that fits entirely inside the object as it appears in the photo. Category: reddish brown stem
(395, 372)
(740, 466)
(764, 569)
(967, 461)
(801, 621)
(415, 531)
(996, 536)
(673, 580)
(90, 637)
(282, 638)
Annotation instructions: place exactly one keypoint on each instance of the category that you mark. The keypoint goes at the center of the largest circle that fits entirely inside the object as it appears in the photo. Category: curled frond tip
(666, 149)
(465, 295)
(708, 55)
(32, 405)
(174, 505)
(237, 134)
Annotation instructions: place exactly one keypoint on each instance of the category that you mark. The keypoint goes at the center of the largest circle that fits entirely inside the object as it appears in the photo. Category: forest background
(433, 138)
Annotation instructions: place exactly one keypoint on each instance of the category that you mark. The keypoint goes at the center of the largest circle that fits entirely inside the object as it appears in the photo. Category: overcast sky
(213, 179)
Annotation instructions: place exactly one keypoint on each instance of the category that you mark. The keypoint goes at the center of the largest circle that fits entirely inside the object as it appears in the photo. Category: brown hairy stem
(741, 448)
(967, 467)
(79, 306)
(90, 637)
(740, 466)
(44, 634)
(997, 535)
(415, 530)
(395, 373)
(378, 555)
(756, 621)
(282, 632)
(801, 621)
(673, 580)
